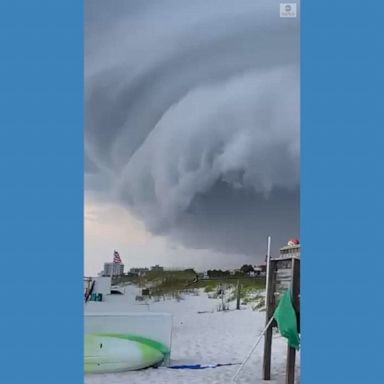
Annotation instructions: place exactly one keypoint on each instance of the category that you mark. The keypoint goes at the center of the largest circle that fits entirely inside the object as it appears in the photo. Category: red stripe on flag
(116, 258)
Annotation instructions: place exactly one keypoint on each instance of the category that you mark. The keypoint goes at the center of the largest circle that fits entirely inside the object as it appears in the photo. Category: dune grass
(176, 283)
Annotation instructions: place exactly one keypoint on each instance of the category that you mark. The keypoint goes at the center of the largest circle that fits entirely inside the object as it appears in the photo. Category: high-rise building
(113, 269)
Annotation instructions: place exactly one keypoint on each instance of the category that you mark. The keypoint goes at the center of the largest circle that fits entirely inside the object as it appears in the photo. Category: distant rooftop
(289, 247)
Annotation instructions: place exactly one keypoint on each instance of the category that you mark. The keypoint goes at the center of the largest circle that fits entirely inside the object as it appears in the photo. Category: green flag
(285, 317)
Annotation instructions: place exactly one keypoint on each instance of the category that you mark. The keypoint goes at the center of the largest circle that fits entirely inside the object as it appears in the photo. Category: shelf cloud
(192, 118)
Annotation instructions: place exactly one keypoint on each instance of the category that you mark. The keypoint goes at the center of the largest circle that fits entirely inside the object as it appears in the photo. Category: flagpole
(113, 264)
(268, 265)
(268, 317)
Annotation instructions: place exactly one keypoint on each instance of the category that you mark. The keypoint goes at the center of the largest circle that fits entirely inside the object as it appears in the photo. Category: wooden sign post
(283, 273)
(238, 294)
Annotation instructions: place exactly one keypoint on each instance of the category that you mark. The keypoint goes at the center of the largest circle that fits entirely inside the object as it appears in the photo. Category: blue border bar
(342, 191)
(41, 202)
(41, 195)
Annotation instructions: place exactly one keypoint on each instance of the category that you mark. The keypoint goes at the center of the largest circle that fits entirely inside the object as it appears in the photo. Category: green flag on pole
(285, 317)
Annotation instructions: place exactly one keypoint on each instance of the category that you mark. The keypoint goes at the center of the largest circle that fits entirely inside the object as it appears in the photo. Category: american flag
(116, 257)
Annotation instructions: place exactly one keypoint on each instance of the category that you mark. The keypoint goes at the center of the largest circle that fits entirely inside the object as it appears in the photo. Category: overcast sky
(191, 133)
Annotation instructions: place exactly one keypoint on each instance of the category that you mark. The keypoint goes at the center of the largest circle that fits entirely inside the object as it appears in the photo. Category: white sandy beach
(211, 337)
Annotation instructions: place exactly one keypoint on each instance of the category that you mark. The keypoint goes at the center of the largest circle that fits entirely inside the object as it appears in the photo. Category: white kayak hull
(104, 353)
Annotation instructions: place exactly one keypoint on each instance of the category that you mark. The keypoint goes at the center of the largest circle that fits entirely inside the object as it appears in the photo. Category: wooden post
(291, 353)
(291, 361)
(238, 295)
(269, 303)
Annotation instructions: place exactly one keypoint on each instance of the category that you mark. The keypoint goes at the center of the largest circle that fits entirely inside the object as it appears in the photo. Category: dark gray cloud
(192, 118)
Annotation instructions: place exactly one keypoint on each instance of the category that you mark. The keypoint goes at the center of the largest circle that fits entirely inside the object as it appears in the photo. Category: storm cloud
(192, 118)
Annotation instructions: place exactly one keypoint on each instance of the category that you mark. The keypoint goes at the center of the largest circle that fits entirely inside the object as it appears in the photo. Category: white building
(157, 268)
(113, 269)
(292, 249)
(139, 271)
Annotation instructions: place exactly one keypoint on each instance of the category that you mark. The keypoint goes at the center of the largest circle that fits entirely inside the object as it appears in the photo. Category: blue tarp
(200, 366)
